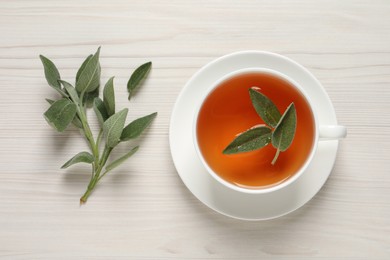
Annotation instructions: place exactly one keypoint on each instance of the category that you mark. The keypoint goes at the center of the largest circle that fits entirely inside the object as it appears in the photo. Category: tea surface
(228, 111)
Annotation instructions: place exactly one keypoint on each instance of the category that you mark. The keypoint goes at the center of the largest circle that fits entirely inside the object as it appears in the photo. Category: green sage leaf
(60, 114)
(52, 75)
(109, 96)
(284, 132)
(71, 91)
(89, 78)
(265, 108)
(75, 97)
(136, 78)
(100, 110)
(82, 157)
(113, 127)
(51, 72)
(76, 120)
(89, 96)
(85, 62)
(250, 140)
(120, 160)
(135, 128)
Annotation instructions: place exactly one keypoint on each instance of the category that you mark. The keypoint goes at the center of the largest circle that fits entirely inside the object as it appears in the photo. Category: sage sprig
(280, 129)
(71, 107)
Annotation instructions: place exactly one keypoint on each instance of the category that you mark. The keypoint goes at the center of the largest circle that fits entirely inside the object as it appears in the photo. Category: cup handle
(332, 132)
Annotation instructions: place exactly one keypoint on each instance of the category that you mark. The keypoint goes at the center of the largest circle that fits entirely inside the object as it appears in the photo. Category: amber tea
(228, 110)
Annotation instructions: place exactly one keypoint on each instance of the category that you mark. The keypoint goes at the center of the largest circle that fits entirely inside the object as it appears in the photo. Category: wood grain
(142, 210)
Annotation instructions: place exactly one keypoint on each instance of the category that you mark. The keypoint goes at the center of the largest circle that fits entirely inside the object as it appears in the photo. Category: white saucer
(206, 188)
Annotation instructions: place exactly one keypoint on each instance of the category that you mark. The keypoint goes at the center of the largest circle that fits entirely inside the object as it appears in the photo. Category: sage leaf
(109, 96)
(83, 66)
(265, 108)
(75, 98)
(100, 110)
(113, 127)
(136, 78)
(76, 120)
(120, 160)
(284, 132)
(250, 140)
(82, 157)
(89, 78)
(51, 72)
(71, 91)
(90, 96)
(60, 114)
(135, 128)
(52, 75)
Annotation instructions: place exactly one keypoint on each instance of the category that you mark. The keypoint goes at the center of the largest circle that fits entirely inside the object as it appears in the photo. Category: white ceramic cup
(322, 132)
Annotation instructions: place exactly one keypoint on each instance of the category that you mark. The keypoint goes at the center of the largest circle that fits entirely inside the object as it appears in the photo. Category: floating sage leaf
(284, 132)
(136, 78)
(82, 157)
(100, 110)
(83, 66)
(89, 78)
(265, 108)
(281, 136)
(109, 96)
(60, 114)
(71, 91)
(113, 127)
(120, 160)
(250, 140)
(135, 128)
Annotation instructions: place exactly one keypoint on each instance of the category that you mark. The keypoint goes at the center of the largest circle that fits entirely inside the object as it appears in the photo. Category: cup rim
(275, 187)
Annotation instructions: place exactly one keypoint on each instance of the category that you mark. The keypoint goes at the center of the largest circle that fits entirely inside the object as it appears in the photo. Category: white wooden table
(142, 210)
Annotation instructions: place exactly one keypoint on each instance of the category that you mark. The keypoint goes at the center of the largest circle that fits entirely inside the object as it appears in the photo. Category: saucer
(218, 197)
